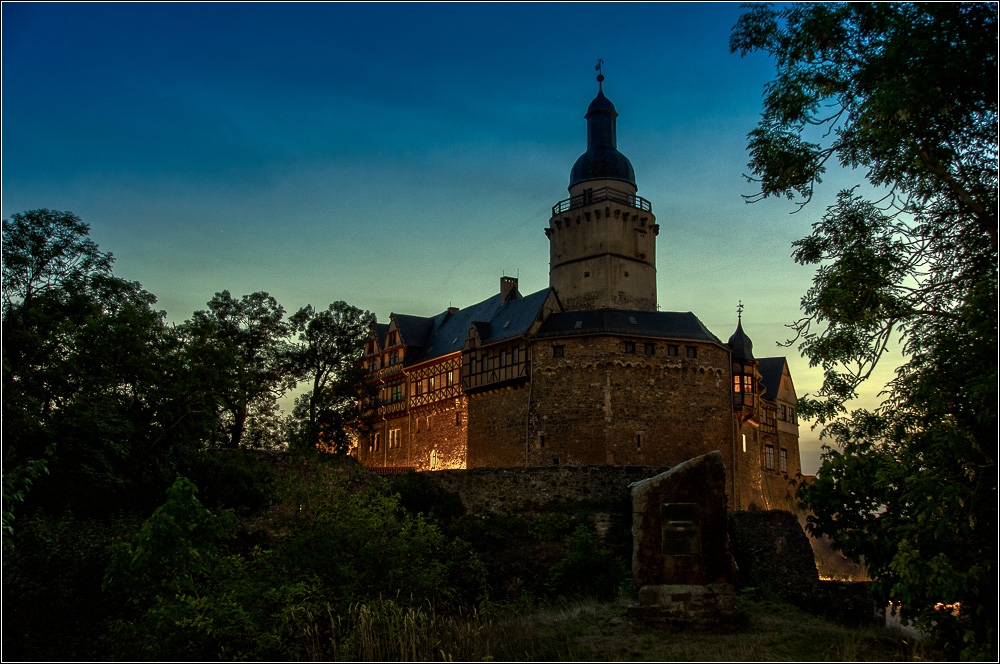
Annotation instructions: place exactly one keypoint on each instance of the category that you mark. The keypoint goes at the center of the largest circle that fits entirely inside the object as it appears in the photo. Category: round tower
(602, 239)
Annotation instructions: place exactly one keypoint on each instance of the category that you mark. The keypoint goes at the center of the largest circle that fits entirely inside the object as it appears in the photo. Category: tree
(244, 341)
(907, 94)
(329, 352)
(90, 372)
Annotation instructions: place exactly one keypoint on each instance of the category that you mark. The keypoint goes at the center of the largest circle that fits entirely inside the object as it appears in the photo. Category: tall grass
(386, 631)
(586, 630)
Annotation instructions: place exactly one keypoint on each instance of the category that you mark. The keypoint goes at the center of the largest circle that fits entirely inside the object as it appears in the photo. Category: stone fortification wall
(594, 403)
(506, 490)
(497, 427)
(774, 555)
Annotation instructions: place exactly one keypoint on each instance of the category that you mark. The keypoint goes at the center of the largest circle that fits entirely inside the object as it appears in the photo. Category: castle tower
(602, 239)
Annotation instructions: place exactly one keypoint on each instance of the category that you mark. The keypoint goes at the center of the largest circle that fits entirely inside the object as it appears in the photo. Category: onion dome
(602, 160)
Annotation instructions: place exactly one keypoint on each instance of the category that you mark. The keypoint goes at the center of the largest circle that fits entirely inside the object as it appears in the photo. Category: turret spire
(602, 160)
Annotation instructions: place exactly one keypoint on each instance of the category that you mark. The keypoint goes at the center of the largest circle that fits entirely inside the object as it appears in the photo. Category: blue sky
(401, 157)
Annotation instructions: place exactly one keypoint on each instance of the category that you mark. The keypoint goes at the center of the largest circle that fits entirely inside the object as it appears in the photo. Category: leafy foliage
(906, 92)
(244, 341)
(95, 385)
(587, 569)
(328, 355)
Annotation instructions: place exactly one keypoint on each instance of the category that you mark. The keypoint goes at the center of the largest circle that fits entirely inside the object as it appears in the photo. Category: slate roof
(740, 344)
(770, 375)
(429, 337)
(659, 324)
(380, 330)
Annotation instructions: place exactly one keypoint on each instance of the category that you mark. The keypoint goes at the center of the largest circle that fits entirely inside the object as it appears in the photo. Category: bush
(587, 569)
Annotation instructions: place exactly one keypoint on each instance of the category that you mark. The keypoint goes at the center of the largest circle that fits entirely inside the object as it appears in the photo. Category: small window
(375, 442)
(434, 459)
(630, 347)
(692, 351)
(744, 442)
(541, 440)
(503, 358)
(450, 378)
(516, 354)
(555, 461)
(672, 350)
(558, 351)
(485, 366)
(650, 349)
(458, 418)
(769, 457)
(638, 441)
(783, 459)
(431, 383)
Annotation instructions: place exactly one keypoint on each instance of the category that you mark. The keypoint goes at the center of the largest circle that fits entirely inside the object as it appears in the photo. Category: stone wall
(775, 555)
(598, 405)
(772, 552)
(497, 427)
(510, 490)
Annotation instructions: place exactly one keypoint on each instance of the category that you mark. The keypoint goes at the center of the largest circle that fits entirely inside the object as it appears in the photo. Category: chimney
(508, 287)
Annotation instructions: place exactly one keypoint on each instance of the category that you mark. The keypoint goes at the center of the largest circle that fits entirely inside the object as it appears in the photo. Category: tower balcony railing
(603, 194)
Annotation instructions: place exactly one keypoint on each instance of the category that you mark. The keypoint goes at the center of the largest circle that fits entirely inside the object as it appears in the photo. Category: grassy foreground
(593, 631)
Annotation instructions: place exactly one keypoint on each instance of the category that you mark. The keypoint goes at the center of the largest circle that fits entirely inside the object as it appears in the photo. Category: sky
(400, 157)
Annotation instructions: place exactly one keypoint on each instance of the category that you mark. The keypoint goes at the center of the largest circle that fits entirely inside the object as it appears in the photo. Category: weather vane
(600, 70)
(739, 310)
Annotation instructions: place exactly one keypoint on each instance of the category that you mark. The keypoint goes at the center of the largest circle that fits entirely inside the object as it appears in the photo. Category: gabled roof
(413, 330)
(447, 332)
(771, 369)
(380, 330)
(660, 324)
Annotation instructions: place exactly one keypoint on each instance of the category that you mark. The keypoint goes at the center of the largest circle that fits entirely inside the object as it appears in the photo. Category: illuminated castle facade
(586, 371)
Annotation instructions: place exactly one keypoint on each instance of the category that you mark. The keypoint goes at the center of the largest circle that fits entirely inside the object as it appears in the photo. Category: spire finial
(600, 73)
(739, 312)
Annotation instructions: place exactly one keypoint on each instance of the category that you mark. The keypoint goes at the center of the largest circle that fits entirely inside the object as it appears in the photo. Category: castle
(586, 371)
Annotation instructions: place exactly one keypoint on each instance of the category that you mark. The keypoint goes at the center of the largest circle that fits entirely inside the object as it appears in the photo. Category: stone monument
(680, 554)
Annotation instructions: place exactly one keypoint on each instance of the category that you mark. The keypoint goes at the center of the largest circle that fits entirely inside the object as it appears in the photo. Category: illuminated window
(737, 384)
(458, 418)
(450, 378)
(744, 442)
(397, 393)
(650, 349)
(375, 442)
(748, 384)
(783, 459)
(434, 459)
(769, 457)
(692, 351)
(558, 351)
(393, 438)
(630, 347)
(418, 388)
(672, 350)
